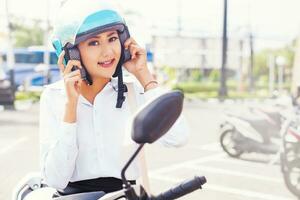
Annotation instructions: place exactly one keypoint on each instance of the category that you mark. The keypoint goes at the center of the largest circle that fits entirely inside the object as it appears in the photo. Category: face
(101, 54)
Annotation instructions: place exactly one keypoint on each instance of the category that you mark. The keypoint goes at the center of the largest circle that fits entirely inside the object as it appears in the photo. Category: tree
(27, 35)
(261, 59)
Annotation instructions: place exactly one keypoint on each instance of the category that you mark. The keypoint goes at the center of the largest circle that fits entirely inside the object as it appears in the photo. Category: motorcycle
(254, 130)
(149, 124)
(290, 156)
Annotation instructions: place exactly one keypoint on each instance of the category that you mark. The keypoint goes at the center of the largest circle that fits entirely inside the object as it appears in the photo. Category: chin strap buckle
(121, 97)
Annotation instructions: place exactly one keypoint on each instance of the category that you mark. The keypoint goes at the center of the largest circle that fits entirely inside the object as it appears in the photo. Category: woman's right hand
(72, 79)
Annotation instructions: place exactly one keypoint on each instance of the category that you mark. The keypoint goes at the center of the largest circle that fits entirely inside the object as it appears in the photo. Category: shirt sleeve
(58, 144)
(179, 133)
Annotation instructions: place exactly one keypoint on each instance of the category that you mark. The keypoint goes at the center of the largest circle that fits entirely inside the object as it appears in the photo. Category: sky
(274, 21)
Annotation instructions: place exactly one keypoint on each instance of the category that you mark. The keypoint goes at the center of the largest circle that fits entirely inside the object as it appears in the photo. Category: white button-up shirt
(97, 144)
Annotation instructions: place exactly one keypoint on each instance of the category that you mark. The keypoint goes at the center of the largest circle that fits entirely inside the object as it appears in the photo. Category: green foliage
(214, 75)
(210, 89)
(170, 72)
(263, 79)
(34, 96)
(231, 94)
(261, 59)
(261, 63)
(27, 35)
(196, 75)
(193, 87)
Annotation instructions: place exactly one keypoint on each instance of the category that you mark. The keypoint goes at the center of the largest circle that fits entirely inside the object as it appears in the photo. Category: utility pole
(296, 70)
(223, 88)
(271, 63)
(47, 70)
(251, 66)
(182, 69)
(179, 23)
(280, 62)
(10, 53)
(241, 62)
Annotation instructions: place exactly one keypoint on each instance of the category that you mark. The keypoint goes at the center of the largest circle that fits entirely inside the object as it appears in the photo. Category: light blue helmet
(79, 20)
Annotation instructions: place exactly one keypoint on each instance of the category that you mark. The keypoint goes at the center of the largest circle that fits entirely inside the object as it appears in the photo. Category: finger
(129, 42)
(79, 82)
(73, 73)
(70, 65)
(136, 50)
(78, 85)
(140, 51)
(133, 53)
(73, 79)
(60, 61)
(61, 68)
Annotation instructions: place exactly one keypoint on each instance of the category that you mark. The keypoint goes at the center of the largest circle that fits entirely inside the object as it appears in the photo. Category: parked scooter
(149, 124)
(290, 156)
(254, 130)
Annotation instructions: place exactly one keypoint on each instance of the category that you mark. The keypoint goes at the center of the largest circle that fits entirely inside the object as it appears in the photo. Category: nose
(106, 51)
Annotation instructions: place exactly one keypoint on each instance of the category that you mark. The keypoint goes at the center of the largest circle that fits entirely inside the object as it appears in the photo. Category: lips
(107, 63)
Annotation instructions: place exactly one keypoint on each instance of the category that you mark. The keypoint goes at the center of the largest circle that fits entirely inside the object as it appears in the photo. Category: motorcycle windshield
(72, 15)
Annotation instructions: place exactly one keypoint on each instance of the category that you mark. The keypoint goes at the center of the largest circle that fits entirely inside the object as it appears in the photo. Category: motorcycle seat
(82, 196)
(274, 115)
(263, 127)
(47, 193)
(258, 123)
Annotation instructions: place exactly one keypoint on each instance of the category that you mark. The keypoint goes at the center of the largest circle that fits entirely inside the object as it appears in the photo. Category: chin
(105, 74)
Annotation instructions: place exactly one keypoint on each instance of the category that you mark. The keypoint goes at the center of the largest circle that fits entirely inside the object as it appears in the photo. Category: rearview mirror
(157, 117)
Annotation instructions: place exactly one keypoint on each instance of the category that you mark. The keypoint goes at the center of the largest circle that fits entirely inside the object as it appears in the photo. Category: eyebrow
(110, 34)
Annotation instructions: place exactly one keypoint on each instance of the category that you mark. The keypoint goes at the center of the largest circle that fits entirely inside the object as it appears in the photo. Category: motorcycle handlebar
(182, 189)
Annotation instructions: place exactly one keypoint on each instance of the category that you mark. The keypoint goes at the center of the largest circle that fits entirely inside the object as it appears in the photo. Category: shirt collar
(112, 85)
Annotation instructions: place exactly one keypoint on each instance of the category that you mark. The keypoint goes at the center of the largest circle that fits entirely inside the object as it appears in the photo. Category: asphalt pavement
(249, 178)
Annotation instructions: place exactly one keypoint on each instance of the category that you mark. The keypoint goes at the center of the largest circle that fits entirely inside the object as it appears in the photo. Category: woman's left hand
(138, 62)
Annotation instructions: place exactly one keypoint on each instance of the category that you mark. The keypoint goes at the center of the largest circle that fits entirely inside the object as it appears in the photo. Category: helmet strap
(89, 79)
(121, 89)
(121, 86)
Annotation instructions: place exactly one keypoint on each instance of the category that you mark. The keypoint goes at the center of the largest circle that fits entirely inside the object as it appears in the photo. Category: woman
(82, 131)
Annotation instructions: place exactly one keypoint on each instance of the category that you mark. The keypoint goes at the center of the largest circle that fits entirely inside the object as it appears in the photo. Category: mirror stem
(125, 182)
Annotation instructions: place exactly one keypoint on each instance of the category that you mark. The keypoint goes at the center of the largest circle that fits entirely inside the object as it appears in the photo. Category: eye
(93, 43)
(112, 39)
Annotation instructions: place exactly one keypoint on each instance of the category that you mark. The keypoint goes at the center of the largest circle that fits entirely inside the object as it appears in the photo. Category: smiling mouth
(107, 64)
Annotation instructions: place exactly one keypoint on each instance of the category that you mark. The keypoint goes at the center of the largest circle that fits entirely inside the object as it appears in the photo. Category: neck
(90, 91)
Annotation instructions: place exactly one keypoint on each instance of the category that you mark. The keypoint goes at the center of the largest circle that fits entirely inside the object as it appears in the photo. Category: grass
(231, 95)
(34, 96)
(206, 90)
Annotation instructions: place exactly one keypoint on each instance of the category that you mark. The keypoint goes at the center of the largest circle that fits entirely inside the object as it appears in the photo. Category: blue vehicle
(29, 66)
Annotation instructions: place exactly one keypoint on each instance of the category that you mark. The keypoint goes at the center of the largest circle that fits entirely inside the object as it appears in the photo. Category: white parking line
(230, 190)
(184, 164)
(12, 145)
(234, 173)
(215, 146)
(246, 193)
(239, 162)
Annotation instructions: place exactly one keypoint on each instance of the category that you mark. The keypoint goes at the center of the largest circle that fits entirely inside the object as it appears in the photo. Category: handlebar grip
(182, 189)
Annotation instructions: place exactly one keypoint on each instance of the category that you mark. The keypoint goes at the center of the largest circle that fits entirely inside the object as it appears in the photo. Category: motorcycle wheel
(291, 175)
(228, 143)
(290, 165)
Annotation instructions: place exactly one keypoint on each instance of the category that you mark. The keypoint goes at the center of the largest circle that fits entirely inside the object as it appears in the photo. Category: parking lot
(248, 178)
